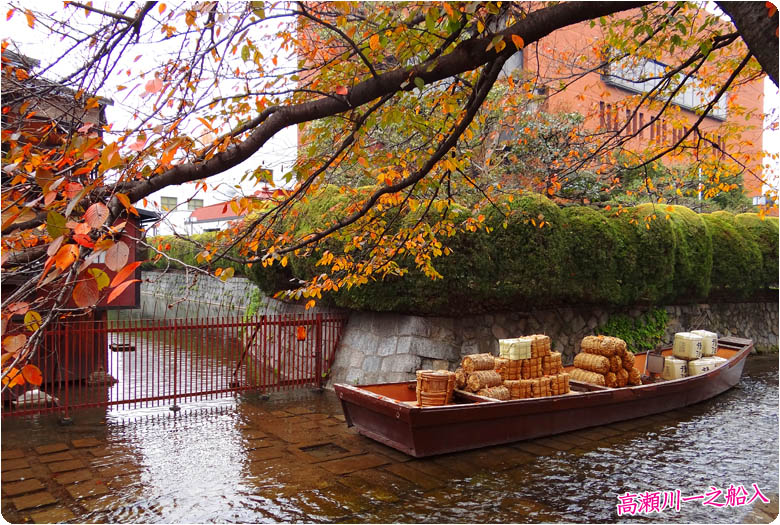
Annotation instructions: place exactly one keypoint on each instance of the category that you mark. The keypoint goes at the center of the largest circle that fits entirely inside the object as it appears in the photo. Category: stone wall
(177, 294)
(379, 347)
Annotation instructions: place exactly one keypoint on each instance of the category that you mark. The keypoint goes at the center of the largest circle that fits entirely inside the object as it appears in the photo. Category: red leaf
(96, 215)
(32, 374)
(138, 145)
(154, 85)
(116, 292)
(19, 308)
(84, 240)
(13, 343)
(341, 90)
(85, 293)
(125, 272)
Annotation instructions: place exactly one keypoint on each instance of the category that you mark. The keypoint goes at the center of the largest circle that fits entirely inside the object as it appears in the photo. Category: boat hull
(429, 431)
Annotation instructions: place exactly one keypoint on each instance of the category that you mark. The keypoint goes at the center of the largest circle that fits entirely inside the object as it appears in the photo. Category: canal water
(292, 458)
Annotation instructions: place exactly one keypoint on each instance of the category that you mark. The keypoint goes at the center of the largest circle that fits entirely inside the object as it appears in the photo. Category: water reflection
(255, 460)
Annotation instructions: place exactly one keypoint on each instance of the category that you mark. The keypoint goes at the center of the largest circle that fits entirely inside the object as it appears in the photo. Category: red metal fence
(129, 364)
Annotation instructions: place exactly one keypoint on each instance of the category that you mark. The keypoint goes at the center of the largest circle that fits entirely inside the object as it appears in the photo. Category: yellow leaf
(32, 320)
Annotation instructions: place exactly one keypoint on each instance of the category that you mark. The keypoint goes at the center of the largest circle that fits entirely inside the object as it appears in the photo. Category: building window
(168, 203)
(194, 204)
(643, 76)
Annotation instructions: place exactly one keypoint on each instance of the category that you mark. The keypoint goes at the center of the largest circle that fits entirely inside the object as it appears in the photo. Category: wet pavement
(292, 458)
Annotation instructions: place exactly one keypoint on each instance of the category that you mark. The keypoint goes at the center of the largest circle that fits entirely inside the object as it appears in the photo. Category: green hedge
(187, 253)
(649, 254)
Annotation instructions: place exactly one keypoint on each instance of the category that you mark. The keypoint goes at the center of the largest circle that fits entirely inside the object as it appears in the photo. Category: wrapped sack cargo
(709, 342)
(717, 361)
(514, 349)
(687, 346)
(675, 368)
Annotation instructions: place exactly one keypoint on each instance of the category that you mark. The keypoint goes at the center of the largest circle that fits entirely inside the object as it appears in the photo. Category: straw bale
(514, 369)
(460, 378)
(587, 376)
(483, 379)
(592, 362)
(634, 377)
(500, 393)
(628, 360)
(552, 364)
(603, 345)
(622, 377)
(475, 362)
(502, 367)
(610, 379)
(615, 363)
(540, 345)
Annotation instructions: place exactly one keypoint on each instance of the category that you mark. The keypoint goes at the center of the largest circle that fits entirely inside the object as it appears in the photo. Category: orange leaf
(13, 378)
(124, 199)
(83, 240)
(300, 333)
(65, 256)
(772, 9)
(30, 18)
(518, 41)
(341, 90)
(138, 145)
(85, 293)
(116, 292)
(125, 272)
(96, 215)
(32, 374)
(116, 256)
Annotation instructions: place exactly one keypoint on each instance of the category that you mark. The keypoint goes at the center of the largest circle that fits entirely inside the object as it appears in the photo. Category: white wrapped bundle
(675, 368)
(515, 349)
(716, 361)
(687, 346)
(709, 344)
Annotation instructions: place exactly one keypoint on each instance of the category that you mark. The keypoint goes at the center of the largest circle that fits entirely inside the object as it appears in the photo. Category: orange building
(608, 100)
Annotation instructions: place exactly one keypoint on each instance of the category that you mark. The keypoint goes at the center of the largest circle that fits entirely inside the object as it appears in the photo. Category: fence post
(174, 407)
(64, 372)
(318, 350)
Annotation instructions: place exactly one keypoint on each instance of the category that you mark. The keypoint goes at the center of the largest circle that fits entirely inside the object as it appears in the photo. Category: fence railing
(138, 363)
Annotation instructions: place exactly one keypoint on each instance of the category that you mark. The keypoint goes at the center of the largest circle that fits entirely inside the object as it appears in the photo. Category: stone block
(356, 359)
(16, 453)
(18, 474)
(354, 376)
(13, 464)
(22, 487)
(54, 515)
(86, 442)
(87, 489)
(49, 449)
(401, 363)
(74, 476)
(38, 499)
(65, 466)
(371, 364)
(386, 346)
(413, 325)
(353, 464)
(433, 349)
(59, 456)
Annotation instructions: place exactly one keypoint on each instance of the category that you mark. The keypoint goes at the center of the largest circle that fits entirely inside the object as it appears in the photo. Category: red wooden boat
(388, 413)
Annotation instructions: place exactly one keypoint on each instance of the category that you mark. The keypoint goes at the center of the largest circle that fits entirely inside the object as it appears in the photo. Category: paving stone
(253, 434)
(16, 475)
(346, 465)
(22, 487)
(16, 453)
(433, 469)
(38, 499)
(596, 434)
(264, 454)
(54, 515)
(458, 464)
(13, 464)
(87, 489)
(74, 476)
(261, 443)
(535, 448)
(50, 449)
(64, 466)
(421, 479)
(300, 410)
(609, 432)
(59, 456)
(575, 438)
(290, 435)
(627, 425)
(86, 443)
(117, 470)
(281, 414)
(99, 452)
(370, 486)
(498, 458)
(557, 444)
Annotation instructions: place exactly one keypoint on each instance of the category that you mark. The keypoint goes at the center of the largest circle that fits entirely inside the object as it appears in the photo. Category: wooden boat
(388, 413)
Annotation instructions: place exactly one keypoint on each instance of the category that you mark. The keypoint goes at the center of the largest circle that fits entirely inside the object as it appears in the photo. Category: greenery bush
(649, 254)
(187, 252)
(737, 264)
(640, 334)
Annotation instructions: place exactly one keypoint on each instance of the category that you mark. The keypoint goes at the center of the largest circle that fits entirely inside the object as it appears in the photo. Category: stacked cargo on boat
(693, 353)
(526, 368)
(605, 361)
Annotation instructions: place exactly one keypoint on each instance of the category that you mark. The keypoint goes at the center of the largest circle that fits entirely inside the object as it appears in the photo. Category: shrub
(765, 233)
(736, 259)
(692, 255)
(187, 253)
